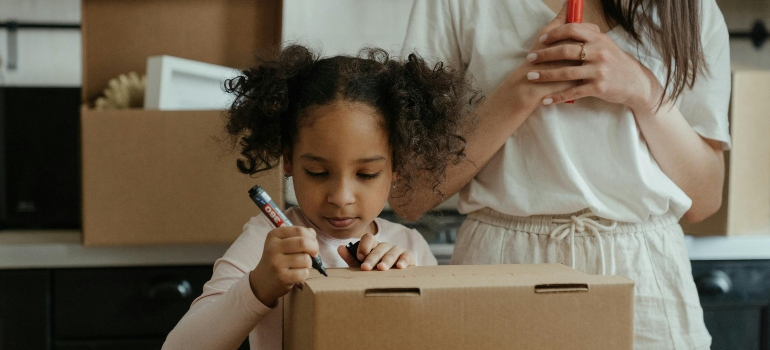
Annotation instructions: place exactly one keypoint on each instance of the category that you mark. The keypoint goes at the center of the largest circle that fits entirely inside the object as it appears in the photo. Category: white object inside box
(175, 83)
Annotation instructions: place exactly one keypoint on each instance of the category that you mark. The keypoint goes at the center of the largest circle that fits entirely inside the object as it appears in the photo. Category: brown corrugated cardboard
(152, 177)
(544, 306)
(746, 194)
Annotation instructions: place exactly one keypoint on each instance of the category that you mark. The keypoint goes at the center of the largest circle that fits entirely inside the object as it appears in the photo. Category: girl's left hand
(381, 255)
(607, 72)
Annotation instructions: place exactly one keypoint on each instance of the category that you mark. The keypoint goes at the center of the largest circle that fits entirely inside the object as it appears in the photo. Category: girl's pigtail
(259, 116)
(435, 108)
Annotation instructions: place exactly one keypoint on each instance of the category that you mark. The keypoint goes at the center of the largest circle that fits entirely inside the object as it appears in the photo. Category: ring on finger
(582, 51)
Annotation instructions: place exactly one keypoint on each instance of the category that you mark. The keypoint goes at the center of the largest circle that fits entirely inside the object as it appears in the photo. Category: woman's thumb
(561, 17)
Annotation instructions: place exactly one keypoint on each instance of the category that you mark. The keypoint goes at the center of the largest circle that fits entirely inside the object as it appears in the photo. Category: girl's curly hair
(426, 110)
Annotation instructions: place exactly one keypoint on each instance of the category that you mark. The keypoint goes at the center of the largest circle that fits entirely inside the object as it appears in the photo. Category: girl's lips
(340, 222)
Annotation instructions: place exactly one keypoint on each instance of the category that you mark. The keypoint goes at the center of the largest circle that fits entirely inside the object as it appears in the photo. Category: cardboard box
(746, 195)
(544, 306)
(155, 177)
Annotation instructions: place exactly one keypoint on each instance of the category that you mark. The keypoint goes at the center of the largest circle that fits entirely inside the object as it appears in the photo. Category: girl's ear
(287, 166)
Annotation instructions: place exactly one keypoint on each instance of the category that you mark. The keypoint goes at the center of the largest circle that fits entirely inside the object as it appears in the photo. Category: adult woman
(600, 184)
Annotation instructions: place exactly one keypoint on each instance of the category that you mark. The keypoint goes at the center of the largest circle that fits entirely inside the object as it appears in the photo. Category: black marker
(268, 207)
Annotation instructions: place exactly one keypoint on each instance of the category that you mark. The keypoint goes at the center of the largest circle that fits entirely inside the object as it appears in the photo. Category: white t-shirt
(228, 311)
(568, 157)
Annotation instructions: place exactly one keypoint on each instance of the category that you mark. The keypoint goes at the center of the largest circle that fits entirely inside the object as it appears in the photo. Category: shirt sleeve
(706, 105)
(227, 311)
(421, 250)
(432, 33)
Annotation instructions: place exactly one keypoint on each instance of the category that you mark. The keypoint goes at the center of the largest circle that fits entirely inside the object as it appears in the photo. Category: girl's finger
(293, 231)
(294, 245)
(405, 260)
(368, 242)
(295, 261)
(290, 277)
(390, 258)
(375, 256)
(574, 31)
(345, 255)
(566, 52)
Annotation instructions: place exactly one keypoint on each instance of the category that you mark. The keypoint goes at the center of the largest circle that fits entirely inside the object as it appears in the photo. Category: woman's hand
(285, 262)
(607, 72)
(380, 254)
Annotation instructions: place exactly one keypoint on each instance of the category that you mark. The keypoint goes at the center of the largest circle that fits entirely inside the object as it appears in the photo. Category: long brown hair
(675, 33)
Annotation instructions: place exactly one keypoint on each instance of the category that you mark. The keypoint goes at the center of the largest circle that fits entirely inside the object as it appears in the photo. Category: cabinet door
(735, 296)
(24, 314)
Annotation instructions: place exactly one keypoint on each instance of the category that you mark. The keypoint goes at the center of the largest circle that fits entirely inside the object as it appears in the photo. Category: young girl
(600, 184)
(350, 131)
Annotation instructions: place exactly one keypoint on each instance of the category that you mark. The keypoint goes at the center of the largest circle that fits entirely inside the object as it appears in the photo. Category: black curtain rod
(21, 25)
(758, 34)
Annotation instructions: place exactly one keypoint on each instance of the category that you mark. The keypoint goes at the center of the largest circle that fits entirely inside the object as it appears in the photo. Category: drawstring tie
(568, 227)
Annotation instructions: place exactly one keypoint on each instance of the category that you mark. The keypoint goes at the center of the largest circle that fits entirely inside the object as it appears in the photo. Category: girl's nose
(341, 193)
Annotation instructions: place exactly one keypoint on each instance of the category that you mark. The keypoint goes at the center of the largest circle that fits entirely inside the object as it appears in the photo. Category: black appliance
(40, 157)
(735, 295)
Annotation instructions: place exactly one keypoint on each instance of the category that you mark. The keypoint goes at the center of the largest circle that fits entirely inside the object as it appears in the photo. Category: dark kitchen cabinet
(95, 308)
(735, 296)
(25, 296)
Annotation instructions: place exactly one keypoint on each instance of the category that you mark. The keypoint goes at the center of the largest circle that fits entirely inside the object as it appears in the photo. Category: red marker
(575, 11)
(574, 15)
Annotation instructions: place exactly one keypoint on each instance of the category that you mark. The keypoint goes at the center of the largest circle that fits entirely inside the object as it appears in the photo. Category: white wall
(45, 57)
(344, 26)
(740, 16)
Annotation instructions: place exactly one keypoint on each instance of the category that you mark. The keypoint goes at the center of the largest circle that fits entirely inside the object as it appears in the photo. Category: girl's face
(342, 168)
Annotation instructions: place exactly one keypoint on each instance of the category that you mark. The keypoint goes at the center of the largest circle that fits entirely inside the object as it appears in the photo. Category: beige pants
(668, 314)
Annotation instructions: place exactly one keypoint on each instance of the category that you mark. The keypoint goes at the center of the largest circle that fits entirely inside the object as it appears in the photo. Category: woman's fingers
(581, 32)
(565, 52)
(561, 74)
(575, 93)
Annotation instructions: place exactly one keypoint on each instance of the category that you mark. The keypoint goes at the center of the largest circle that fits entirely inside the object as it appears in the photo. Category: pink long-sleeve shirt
(227, 311)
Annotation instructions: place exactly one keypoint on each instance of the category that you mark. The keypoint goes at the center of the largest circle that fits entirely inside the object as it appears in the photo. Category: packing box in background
(746, 195)
(155, 177)
(544, 306)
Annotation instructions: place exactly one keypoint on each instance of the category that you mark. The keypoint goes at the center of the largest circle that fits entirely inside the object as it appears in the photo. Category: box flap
(546, 277)
(118, 36)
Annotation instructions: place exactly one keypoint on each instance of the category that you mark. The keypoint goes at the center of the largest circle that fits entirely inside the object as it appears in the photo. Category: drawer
(109, 303)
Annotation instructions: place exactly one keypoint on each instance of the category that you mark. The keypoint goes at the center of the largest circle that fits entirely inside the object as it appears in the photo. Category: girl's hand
(285, 262)
(380, 254)
(607, 72)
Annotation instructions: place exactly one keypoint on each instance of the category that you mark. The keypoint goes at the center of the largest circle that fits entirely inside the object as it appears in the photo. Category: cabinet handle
(169, 290)
(715, 282)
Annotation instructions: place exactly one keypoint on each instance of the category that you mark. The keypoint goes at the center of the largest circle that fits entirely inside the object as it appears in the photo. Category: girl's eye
(368, 176)
(319, 174)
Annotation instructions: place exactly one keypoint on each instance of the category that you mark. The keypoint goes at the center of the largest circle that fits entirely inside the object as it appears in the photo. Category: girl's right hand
(285, 262)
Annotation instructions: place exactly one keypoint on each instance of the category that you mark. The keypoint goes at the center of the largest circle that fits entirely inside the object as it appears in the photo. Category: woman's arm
(694, 163)
(497, 118)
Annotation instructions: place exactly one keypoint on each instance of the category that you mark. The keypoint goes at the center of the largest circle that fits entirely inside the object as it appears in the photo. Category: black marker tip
(318, 265)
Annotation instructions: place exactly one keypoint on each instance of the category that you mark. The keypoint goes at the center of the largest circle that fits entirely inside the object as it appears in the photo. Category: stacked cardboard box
(156, 177)
(545, 306)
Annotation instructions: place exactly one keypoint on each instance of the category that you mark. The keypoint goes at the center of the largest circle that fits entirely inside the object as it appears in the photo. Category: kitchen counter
(59, 249)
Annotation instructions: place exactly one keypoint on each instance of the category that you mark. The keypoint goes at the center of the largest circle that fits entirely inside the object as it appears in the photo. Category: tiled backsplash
(740, 16)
